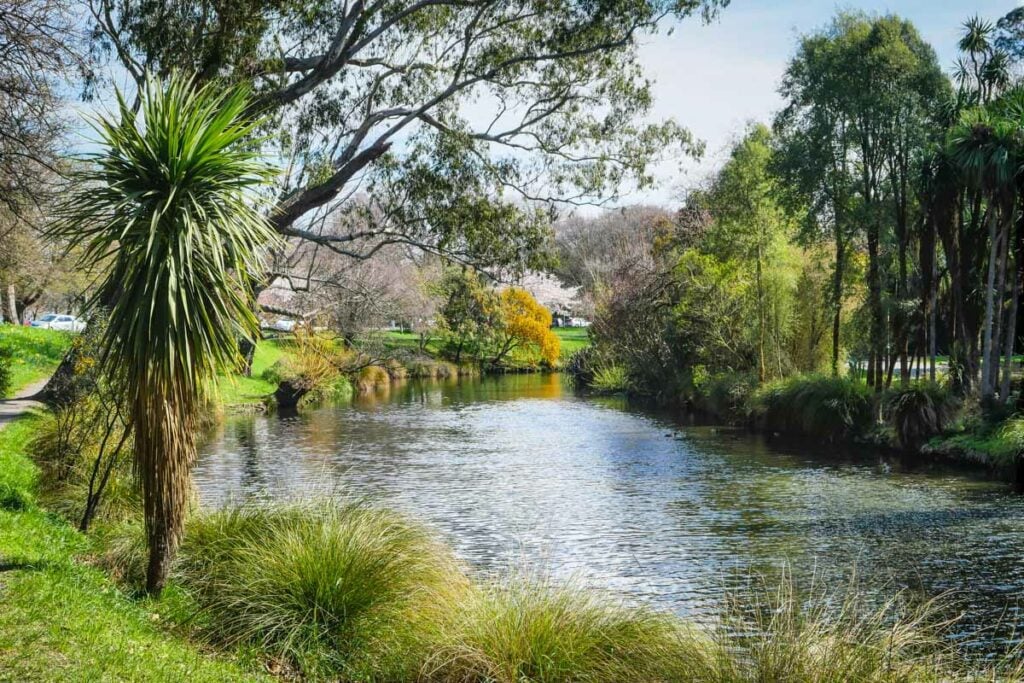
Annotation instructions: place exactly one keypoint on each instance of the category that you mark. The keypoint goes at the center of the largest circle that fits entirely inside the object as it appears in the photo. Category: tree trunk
(987, 389)
(760, 316)
(875, 378)
(12, 304)
(837, 299)
(1011, 326)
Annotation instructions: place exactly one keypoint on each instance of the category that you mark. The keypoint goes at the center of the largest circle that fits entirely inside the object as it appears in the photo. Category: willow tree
(166, 206)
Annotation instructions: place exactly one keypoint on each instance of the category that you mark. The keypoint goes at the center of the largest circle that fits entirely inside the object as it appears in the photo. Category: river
(519, 472)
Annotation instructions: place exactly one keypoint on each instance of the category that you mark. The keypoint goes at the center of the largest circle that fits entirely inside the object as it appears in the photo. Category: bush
(828, 407)
(532, 630)
(6, 371)
(336, 590)
(920, 411)
(785, 636)
(726, 395)
(371, 378)
(611, 379)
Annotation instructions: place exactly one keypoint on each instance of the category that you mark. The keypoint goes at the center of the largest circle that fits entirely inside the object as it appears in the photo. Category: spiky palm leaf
(168, 202)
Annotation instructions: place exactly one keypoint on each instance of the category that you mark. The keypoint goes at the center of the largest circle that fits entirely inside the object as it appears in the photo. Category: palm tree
(168, 206)
(986, 146)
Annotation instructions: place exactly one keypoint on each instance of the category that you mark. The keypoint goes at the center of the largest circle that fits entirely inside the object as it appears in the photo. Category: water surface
(518, 471)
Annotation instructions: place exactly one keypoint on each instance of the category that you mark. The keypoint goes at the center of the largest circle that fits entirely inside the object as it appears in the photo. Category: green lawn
(63, 620)
(573, 339)
(236, 390)
(37, 353)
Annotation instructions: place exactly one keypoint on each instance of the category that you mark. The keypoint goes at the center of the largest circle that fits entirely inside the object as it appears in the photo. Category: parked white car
(280, 325)
(58, 321)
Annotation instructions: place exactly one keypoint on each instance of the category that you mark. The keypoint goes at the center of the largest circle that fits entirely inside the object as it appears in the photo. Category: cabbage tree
(166, 208)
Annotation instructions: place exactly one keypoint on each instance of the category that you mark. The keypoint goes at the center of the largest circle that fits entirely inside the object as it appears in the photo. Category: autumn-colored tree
(525, 324)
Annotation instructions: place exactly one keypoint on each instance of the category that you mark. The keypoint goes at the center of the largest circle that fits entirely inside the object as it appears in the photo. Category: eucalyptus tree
(430, 123)
(167, 207)
(861, 97)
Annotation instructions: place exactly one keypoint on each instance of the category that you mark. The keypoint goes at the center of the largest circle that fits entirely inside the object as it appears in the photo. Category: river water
(519, 472)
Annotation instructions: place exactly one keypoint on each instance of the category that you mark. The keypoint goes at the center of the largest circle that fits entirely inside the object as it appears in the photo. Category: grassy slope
(37, 353)
(63, 620)
(236, 390)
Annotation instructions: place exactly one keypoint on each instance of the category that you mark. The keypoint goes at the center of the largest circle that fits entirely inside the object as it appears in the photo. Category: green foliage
(32, 354)
(334, 589)
(529, 629)
(832, 408)
(6, 373)
(169, 206)
(919, 412)
(610, 379)
(725, 395)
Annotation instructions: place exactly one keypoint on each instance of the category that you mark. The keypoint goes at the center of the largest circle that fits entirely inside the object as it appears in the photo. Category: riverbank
(65, 619)
(922, 422)
(397, 356)
(330, 591)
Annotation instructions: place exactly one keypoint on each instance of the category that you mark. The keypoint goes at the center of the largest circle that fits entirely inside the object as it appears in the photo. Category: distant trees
(479, 323)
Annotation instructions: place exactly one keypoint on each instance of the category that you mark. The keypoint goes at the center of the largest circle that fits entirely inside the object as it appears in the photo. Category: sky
(715, 78)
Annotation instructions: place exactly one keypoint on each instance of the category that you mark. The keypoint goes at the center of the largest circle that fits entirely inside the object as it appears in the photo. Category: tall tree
(861, 97)
(402, 118)
(169, 200)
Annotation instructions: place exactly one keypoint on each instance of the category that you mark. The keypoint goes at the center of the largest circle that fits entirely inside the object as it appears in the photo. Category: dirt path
(23, 401)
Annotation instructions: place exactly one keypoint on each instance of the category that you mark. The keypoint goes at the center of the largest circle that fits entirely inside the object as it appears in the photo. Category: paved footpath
(23, 401)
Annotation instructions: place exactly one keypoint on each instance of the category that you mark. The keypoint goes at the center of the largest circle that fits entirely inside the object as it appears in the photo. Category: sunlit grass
(36, 353)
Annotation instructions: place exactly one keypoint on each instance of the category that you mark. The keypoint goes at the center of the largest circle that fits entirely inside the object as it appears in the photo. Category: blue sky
(715, 78)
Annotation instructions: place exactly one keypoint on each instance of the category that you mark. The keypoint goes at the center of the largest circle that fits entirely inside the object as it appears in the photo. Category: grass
(529, 629)
(237, 390)
(573, 339)
(334, 590)
(36, 353)
(814, 405)
(65, 620)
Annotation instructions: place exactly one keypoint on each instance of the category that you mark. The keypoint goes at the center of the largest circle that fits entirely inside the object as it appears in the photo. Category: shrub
(337, 590)
(827, 407)
(785, 636)
(532, 630)
(725, 395)
(425, 368)
(919, 412)
(6, 372)
(371, 378)
(610, 379)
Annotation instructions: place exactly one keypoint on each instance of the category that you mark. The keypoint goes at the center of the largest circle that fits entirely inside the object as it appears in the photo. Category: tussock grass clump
(335, 590)
(371, 378)
(816, 405)
(533, 630)
(919, 412)
(785, 636)
(426, 368)
(610, 379)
